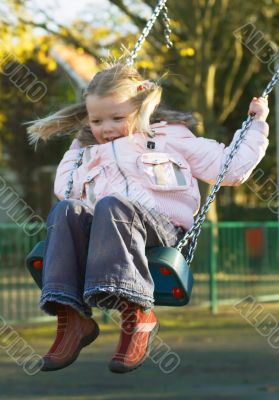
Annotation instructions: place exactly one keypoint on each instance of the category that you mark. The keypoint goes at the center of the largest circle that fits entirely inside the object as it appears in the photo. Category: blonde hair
(121, 80)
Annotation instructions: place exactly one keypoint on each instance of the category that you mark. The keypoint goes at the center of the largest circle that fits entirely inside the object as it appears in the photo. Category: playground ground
(222, 357)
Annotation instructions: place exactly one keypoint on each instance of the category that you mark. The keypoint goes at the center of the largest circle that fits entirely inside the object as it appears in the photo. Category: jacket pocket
(94, 185)
(161, 171)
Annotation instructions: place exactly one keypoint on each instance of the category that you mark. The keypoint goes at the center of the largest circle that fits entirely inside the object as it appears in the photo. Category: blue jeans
(92, 254)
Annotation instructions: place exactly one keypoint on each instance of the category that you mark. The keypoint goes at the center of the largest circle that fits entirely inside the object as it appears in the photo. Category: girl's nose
(107, 127)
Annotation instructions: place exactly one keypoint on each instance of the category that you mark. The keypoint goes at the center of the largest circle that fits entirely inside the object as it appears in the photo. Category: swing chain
(196, 228)
(161, 5)
(167, 29)
(70, 182)
(190, 238)
(271, 84)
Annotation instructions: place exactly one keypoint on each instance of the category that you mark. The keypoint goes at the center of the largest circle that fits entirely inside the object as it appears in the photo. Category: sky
(93, 11)
(65, 11)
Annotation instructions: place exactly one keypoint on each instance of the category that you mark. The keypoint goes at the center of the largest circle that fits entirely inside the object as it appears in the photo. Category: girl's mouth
(112, 138)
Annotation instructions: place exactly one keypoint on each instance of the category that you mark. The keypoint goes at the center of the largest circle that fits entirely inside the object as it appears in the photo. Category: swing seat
(172, 276)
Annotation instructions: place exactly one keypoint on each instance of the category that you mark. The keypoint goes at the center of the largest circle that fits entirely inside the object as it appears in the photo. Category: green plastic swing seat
(172, 276)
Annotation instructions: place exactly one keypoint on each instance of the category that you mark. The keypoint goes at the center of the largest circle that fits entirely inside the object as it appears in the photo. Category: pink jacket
(163, 177)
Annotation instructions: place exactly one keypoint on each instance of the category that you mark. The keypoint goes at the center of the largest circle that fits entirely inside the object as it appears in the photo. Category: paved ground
(221, 358)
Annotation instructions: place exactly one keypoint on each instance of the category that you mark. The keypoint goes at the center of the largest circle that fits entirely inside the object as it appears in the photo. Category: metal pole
(213, 297)
(277, 132)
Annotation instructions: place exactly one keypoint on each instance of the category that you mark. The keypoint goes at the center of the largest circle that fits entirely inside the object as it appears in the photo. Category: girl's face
(109, 117)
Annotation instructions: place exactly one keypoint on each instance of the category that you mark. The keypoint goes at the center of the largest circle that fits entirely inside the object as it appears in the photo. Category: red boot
(73, 333)
(138, 331)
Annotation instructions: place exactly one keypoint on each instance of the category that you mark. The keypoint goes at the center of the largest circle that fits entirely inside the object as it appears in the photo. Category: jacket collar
(159, 124)
(156, 128)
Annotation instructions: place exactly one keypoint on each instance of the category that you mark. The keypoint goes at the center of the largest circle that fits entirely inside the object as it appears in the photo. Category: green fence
(232, 260)
(236, 259)
(18, 293)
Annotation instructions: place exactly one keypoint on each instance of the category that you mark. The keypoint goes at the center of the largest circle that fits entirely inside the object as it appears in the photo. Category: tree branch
(138, 21)
(67, 36)
(233, 73)
(238, 91)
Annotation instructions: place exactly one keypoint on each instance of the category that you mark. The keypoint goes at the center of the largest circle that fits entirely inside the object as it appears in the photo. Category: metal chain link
(190, 238)
(161, 5)
(167, 29)
(70, 182)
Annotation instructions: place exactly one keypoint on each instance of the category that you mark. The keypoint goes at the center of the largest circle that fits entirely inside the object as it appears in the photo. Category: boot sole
(120, 368)
(85, 341)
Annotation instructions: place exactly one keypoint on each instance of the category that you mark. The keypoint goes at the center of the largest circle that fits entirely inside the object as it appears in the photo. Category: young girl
(135, 187)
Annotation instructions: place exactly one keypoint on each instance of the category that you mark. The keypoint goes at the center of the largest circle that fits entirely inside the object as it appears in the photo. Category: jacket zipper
(119, 169)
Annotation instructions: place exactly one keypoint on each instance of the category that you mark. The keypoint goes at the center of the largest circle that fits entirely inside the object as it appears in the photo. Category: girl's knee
(109, 203)
(114, 209)
(61, 206)
(66, 208)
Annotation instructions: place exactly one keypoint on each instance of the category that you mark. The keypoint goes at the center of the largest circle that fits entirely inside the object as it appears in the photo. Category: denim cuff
(50, 297)
(97, 297)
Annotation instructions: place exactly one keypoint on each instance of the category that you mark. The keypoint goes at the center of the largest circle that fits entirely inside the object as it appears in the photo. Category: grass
(222, 358)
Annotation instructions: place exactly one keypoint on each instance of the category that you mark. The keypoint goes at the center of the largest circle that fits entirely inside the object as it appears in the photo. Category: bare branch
(233, 73)
(64, 34)
(138, 21)
(252, 67)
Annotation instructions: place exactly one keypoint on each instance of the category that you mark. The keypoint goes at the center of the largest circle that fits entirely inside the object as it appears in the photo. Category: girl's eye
(118, 118)
(95, 121)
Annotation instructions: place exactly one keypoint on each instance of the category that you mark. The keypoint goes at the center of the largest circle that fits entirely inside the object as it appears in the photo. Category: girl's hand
(259, 107)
